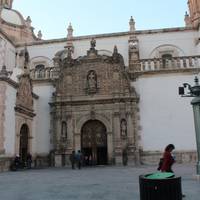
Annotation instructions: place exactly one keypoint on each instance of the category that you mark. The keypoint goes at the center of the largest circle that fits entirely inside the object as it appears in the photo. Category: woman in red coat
(168, 159)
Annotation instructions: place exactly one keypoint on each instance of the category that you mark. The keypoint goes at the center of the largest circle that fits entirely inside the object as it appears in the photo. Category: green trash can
(160, 186)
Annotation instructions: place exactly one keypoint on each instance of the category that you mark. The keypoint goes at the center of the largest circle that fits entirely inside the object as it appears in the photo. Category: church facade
(108, 95)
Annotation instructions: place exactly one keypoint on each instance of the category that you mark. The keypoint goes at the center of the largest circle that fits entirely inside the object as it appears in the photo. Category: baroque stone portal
(94, 98)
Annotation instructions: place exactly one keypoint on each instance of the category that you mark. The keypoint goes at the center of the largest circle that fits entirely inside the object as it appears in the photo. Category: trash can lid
(160, 175)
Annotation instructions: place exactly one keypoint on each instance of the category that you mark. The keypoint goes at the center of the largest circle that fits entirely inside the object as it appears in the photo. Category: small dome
(12, 17)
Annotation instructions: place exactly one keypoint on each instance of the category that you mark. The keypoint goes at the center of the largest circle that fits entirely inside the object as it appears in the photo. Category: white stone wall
(42, 120)
(165, 117)
(7, 53)
(183, 41)
(9, 133)
(103, 44)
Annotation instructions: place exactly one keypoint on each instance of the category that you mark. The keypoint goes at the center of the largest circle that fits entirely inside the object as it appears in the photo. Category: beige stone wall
(17, 33)
(2, 114)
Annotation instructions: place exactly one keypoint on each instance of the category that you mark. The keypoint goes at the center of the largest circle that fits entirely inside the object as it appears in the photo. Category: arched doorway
(94, 142)
(23, 144)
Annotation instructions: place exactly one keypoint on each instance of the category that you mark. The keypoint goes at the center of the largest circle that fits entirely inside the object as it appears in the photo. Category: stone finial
(115, 51)
(132, 24)
(116, 55)
(3, 72)
(26, 59)
(187, 20)
(93, 43)
(70, 32)
(28, 21)
(39, 35)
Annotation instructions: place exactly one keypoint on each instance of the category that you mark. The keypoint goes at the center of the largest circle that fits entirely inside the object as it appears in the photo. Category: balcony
(178, 64)
(45, 74)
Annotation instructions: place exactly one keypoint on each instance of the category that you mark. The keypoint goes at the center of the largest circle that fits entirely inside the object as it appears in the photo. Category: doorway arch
(94, 142)
(24, 143)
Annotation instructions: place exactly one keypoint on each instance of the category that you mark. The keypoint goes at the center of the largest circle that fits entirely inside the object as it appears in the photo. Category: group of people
(76, 159)
(18, 163)
(79, 159)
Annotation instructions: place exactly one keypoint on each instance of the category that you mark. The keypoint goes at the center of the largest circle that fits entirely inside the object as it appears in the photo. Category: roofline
(118, 34)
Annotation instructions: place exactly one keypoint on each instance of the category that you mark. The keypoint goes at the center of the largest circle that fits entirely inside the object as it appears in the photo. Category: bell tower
(6, 3)
(194, 8)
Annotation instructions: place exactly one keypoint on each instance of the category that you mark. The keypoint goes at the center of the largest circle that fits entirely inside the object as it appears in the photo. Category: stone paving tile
(99, 183)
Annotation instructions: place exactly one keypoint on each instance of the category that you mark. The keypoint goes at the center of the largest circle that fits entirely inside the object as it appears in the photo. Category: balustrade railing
(167, 64)
(46, 73)
(146, 65)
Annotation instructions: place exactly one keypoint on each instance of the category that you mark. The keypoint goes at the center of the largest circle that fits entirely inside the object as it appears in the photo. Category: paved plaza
(105, 183)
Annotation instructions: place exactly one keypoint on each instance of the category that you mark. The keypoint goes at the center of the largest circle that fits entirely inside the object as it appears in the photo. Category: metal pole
(196, 109)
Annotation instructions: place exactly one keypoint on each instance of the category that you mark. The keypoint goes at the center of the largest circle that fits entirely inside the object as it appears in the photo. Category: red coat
(168, 161)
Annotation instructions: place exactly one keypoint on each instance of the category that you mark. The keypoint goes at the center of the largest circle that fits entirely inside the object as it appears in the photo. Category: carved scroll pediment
(24, 92)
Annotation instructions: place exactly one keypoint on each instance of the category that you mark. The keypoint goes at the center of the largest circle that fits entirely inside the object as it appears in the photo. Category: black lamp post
(194, 91)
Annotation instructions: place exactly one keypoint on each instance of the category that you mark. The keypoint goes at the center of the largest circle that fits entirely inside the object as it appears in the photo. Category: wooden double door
(94, 143)
(24, 143)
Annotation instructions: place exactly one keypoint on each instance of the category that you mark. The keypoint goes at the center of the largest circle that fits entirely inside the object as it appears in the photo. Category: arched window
(40, 70)
(165, 60)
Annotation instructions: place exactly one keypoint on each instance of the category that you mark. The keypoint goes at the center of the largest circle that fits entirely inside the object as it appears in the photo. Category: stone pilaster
(110, 147)
(117, 139)
(2, 114)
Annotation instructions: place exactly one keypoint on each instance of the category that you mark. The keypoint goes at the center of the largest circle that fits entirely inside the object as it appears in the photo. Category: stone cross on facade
(92, 80)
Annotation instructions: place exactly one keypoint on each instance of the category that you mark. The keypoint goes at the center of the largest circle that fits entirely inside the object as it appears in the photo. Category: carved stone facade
(24, 114)
(194, 8)
(94, 90)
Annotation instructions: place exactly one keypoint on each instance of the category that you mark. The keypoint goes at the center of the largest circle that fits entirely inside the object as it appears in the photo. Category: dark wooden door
(94, 141)
(23, 146)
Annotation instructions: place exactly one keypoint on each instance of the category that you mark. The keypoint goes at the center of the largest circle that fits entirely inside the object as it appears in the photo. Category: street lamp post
(194, 91)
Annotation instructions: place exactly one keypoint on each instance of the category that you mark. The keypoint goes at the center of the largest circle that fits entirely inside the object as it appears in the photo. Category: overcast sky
(100, 16)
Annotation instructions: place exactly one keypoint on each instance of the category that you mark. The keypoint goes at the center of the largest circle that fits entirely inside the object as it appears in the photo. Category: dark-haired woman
(168, 159)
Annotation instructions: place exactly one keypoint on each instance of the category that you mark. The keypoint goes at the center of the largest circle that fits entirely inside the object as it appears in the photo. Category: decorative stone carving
(93, 43)
(123, 127)
(91, 82)
(4, 72)
(24, 93)
(109, 99)
(132, 24)
(39, 35)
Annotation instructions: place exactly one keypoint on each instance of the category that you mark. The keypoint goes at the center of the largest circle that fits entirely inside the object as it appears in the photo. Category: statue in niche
(93, 43)
(92, 81)
(123, 127)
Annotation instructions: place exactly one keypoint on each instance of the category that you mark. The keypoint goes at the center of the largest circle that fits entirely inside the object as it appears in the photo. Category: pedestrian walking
(73, 159)
(29, 160)
(168, 159)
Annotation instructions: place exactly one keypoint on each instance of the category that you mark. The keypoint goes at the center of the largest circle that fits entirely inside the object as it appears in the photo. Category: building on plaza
(104, 94)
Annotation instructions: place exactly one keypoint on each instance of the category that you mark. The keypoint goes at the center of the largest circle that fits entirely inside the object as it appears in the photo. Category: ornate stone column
(70, 139)
(110, 147)
(133, 152)
(58, 157)
(117, 140)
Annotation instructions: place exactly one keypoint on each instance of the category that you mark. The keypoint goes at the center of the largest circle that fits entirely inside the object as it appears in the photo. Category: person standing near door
(73, 159)
(79, 158)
